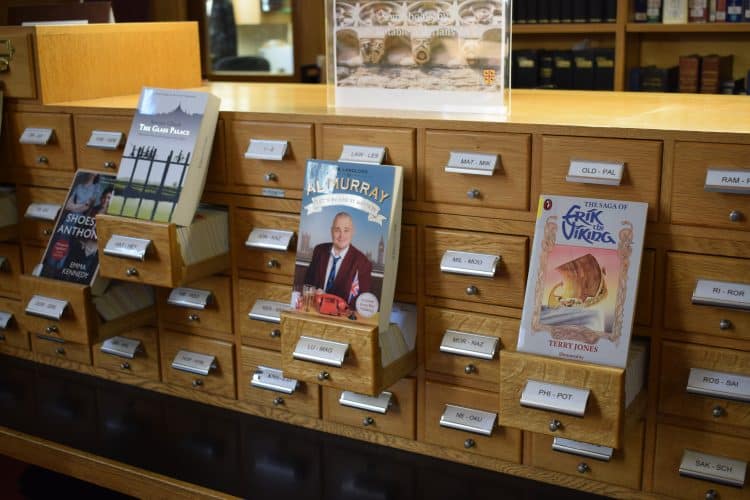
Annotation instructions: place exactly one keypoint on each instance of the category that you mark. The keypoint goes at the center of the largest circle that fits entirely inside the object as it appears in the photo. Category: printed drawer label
(266, 150)
(37, 136)
(595, 172)
(728, 181)
(101, 139)
(555, 397)
(271, 239)
(472, 264)
(469, 344)
(582, 449)
(191, 298)
(320, 351)
(46, 307)
(471, 163)
(42, 211)
(467, 419)
(127, 247)
(719, 384)
(720, 470)
(272, 380)
(722, 294)
(362, 154)
(193, 362)
(121, 346)
(268, 310)
(377, 404)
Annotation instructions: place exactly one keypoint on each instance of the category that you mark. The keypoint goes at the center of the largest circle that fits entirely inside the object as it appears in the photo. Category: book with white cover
(583, 279)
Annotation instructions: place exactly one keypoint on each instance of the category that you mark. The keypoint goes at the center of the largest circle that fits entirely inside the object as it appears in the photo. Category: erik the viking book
(72, 253)
(348, 241)
(583, 278)
(165, 160)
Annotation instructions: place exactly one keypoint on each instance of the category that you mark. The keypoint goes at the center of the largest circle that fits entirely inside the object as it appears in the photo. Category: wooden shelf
(688, 28)
(563, 28)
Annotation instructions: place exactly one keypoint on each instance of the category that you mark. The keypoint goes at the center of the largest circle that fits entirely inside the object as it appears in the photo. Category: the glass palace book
(166, 156)
(583, 278)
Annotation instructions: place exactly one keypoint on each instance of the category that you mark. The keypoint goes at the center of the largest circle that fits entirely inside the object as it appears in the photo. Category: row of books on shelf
(586, 69)
(691, 11)
(564, 11)
(711, 74)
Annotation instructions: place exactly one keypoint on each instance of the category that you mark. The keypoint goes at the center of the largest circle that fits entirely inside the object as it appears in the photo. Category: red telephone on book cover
(331, 304)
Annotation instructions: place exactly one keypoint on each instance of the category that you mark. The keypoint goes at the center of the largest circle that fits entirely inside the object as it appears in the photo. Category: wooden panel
(213, 321)
(80, 353)
(145, 364)
(16, 334)
(252, 331)
(677, 360)
(217, 166)
(645, 299)
(406, 279)
(288, 173)
(671, 442)
(505, 288)
(10, 270)
(399, 420)
(508, 187)
(504, 443)
(37, 232)
(640, 179)
(691, 203)
(602, 422)
(255, 259)
(399, 144)
(56, 155)
(19, 81)
(31, 256)
(624, 469)
(90, 158)
(305, 400)
(437, 321)
(220, 381)
(683, 271)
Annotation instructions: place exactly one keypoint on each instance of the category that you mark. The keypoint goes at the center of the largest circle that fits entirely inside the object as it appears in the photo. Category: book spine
(563, 73)
(709, 75)
(734, 11)
(653, 11)
(698, 11)
(546, 69)
(555, 8)
(712, 11)
(596, 11)
(520, 12)
(610, 11)
(689, 74)
(721, 11)
(580, 11)
(675, 12)
(604, 69)
(583, 69)
(532, 11)
(639, 12)
(746, 13)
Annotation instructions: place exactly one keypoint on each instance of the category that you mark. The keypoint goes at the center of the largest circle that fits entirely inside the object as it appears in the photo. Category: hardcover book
(348, 241)
(583, 278)
(72, 253)
(675, 12)
(165, 160)
(734, 11)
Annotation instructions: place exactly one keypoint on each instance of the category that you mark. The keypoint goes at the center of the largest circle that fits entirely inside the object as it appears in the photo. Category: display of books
(583, 278)
(72, 254)
(165, 160)
(348, 243)
(446, 55)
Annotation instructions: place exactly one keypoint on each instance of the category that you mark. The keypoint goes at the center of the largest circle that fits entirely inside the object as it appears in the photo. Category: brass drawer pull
(43, 160)
(469, 369)
(193, 317)
(197, 382)
(469, 443)
(718, 411)
(52, 329)
(110, 164)
(735, 216)
(131, 271)
(473, 194)
(125, 365)
(367, 421)
(272, 264)
(725, 324)
(60, 351)
(323, 376)
(472, 290)
(583, 468)
(271, 177)
(277, 401)
(275, 333)
(555, 425)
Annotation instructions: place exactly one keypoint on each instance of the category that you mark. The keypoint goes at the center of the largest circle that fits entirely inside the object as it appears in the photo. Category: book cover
(165, 159)
(348, 241)
(72, 254)
(690, 73)
(583, 279)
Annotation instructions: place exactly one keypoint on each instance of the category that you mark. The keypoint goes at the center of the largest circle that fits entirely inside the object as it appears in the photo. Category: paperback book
(348, 243)
(583, 278)
(72, 254)
(165, 160)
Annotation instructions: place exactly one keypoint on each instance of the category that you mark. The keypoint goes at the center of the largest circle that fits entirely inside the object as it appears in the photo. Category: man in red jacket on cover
(338, 267)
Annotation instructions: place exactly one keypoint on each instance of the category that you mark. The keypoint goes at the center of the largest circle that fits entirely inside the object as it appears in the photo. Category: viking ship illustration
(582, 285)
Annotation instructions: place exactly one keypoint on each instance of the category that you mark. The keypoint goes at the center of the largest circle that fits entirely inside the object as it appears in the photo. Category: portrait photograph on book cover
(346, 230)
(440, 55)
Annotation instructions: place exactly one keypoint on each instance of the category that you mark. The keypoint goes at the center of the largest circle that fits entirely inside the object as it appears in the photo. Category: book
(165, 160)
(580, 11)
(562, 75)
(348, 241)
(721, 11)
(734, 11)
(583, 278)
(610, 11)
(640, 8)
(72, 253)
(525, 68)
(566, 11)
(596, 11)
(583, 69)
(746, 11)
(546, 69)
(604, 68)
(653, 11)
(543, 11)
(690, 73)
(698, 11)
(655, 79)
(715, 69)
(675, 12)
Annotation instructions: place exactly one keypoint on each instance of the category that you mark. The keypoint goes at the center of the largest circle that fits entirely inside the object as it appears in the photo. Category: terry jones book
(165, 160)
(583, 279)
(348, 243)
(72, 253)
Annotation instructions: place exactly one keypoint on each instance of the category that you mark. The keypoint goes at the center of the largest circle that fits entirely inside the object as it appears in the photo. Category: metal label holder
(193, 362)
(42, 211)
(722, 294)
(127, 247)
(719, 385)
(467, 419)
(469, 344)
(555, 397)
(190, 298)
(102, 139)
(269, 239)
(595, 172)
(6, 318)
(325, 352)
(273, 379)
(261, 149)
(588, 450)
(470, 264)
(713, 468)
(36, 136)
(268, 311)
(471, 163)
(376, 404)
(122, 347)
(727, 181)
(46, 307)
(362, 154)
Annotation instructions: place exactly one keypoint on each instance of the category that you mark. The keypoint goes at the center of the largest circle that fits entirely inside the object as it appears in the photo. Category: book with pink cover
(583, 279)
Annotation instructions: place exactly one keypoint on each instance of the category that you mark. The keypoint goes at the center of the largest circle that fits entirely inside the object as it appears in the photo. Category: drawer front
(305, 400)
(78, 322)
(507, 188)
(406, 279)
(145, 364)
(56, 155)
(671, 442)
(220, 381)
(505, 288)
(288, 173)
(399, 420)
(640, 179)
(213, 321)
(691, 203)
(71, 351)
(217, 166)
(675, 400)
(399, 144)
(645, 298)
(16, 334)
(36, 231)
(10, 270)
(683, 271)
(263, 260)
(96, 158)
(256, 332)
(504, 443)
(438, 321)
(19, 81)
(624, 469)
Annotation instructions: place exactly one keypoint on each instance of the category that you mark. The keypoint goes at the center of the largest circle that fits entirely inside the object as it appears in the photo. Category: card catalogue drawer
(305, 400)
(507, 187)
(645, 298)
(640, 179)
(57, 154)
(674, 398)
(398, 142)
(406, 279)
(36, 231)
(220, 380)
(683, 272)
(104, 157)
(398, 420)
(505, 288)
(18, 81)
(504, 443)
(257, 258)
(215, 320)
(14, 334)
(265, 332)
(10, 270)
(145, 364)
(472, 365)
(692, 204)
(56, 348)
